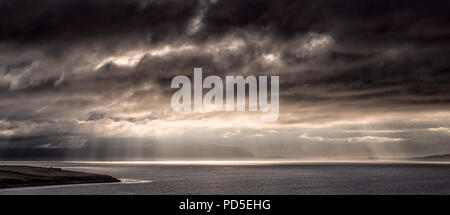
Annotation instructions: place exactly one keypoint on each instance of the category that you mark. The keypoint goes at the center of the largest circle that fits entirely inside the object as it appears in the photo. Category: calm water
(299, 178)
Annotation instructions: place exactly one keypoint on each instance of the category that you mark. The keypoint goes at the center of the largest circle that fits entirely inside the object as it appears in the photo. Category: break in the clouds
(357, 78)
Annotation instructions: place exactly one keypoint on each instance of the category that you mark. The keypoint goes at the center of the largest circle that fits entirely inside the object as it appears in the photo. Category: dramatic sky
(357, 78)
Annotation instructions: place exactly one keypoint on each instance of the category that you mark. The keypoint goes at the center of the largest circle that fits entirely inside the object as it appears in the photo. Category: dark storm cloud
(26, 21)
(61, 72)
(366, 21)
(379, 43)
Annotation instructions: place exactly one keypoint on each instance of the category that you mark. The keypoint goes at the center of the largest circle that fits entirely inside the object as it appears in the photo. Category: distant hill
(443, 157)
(122, 152)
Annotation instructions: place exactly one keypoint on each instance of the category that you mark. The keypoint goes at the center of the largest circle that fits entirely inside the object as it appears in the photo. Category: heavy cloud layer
(357, 78)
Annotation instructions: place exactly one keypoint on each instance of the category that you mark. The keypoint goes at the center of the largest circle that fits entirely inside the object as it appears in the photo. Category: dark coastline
(23, 176)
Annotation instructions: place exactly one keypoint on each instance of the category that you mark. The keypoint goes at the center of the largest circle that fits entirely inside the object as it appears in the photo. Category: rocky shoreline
(21, 176)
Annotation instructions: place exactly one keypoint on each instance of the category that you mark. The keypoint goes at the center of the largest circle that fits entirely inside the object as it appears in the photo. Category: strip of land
(21, 176)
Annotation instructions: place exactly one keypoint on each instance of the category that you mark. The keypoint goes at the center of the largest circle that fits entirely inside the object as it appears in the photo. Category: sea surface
(252, 178)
